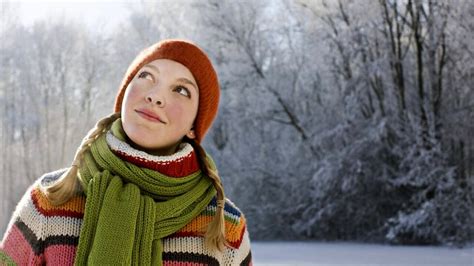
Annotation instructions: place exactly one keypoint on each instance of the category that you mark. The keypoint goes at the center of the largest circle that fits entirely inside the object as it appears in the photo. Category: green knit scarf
(130, 209)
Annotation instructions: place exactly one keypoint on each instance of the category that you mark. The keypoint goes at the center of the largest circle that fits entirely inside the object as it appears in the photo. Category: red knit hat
(196, 60)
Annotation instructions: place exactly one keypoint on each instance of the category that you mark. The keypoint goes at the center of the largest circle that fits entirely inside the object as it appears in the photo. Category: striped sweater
(40, 233)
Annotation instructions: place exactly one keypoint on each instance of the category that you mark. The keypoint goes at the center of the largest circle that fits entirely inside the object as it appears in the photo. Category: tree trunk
(415, 12)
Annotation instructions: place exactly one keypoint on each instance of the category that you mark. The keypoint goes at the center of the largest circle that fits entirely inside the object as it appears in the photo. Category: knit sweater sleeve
(21, 243)
(239, 253)
(242, 255)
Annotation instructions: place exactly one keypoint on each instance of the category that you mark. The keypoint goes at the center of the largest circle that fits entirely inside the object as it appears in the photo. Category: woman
(141, 190)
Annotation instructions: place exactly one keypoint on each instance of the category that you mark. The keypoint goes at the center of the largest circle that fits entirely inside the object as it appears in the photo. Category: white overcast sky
(106, 12)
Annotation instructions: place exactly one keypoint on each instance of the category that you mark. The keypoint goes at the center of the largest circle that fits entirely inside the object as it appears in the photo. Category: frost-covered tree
(338, 119)
(392, 61)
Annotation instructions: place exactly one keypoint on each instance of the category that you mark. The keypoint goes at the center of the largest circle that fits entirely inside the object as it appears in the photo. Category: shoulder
(60, 222)
(30, 208)
(36, 200)
(73, 208)
(189, 239)
(237, 235)
(235, 223)
(50, 177)
(35, 208)
(36, 223)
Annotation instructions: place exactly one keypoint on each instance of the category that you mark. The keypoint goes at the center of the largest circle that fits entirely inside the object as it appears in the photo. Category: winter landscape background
(339, 120)
(351, 254)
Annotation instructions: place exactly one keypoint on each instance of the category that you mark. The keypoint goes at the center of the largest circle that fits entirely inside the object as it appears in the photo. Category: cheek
(132, 95)
(181, 116)
(175, 112)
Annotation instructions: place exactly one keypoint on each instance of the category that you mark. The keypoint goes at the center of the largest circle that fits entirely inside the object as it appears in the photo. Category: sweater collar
(182, 163)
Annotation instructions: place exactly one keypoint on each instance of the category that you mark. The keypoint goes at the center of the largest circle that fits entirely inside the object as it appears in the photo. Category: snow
(317, 253)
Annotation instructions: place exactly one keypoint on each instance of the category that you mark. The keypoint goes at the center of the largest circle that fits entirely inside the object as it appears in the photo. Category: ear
(191, 134)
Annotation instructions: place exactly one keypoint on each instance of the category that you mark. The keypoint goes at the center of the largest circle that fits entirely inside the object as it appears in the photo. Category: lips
(148, 114)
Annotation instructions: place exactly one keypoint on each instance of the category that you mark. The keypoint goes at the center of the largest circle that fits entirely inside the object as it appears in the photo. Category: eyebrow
(184, 80)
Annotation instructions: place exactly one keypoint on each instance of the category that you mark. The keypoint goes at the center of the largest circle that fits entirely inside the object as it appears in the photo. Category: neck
(164, 151)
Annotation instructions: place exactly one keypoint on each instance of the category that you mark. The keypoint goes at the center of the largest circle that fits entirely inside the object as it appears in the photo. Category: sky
(102, 13)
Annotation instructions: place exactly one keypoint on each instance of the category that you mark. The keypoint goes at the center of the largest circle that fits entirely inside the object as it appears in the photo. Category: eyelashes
(188, 94)
(143, 74)
(146, 74)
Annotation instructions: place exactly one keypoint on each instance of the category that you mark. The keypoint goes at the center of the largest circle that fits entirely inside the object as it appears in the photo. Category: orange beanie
(196, 60)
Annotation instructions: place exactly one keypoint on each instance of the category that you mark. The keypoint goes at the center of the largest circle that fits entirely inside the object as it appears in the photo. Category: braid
(215, 234)
(68, 184)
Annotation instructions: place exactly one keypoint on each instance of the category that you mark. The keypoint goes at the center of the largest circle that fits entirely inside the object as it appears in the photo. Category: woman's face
(159, 107)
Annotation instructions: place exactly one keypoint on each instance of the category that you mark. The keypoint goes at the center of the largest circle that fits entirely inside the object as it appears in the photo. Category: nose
(156, 97)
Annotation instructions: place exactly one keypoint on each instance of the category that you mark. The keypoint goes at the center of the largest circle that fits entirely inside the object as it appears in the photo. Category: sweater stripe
(45, 234)
(29, 237)
(16, 246)
(60, 254)
(43, 226)
(73, 208)
(39, 245)
(187, 258)
(247, 260)
(228, 207)
(192, 244)
(195, 228)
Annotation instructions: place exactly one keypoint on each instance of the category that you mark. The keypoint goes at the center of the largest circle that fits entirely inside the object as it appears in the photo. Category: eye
(183, 90)
(145, 74)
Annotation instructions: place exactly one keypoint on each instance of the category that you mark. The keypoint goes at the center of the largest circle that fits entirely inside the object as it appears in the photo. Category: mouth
(149, 116)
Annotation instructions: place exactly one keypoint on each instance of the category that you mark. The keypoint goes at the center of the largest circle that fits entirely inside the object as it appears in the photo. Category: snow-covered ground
(317, 253)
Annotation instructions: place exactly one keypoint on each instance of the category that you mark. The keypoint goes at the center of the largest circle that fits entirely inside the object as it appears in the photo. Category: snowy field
(315, 253)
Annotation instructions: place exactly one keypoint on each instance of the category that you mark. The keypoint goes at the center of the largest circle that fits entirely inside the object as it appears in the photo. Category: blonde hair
(215, 233)
(68, 185)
